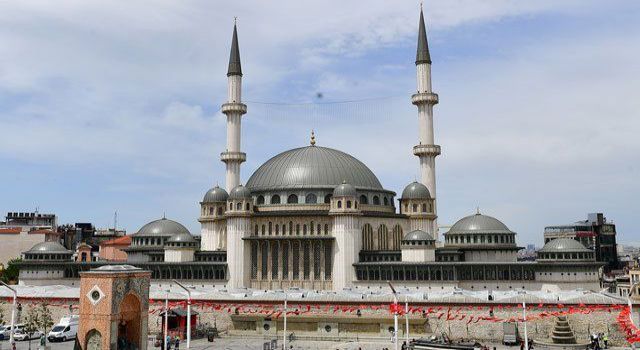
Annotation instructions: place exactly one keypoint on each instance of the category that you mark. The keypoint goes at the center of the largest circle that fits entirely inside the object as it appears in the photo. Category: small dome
(417, 235)
(240, 192)
(49, 247)
(479, 223)
(344, 190)
(564, 245)
(182, 238)
(215, 195)
(161, 228)
(416, 190)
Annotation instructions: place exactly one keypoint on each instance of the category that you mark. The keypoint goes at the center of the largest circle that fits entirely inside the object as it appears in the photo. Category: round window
(327, 328)
(266, 327)
(95, 295)
(390, 329)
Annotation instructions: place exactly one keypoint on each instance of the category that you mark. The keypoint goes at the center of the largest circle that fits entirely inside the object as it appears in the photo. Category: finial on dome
(164, 215)
(313, 138)
(478, 210)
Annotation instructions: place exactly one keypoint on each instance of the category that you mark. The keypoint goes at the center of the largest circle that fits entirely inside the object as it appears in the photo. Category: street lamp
(524, 319)
(188, 312)
(284, 336)
(395, 316)
(13, 311)
(166, 320)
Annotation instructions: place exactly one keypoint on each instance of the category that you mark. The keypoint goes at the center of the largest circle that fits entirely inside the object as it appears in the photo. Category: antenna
(115, 221)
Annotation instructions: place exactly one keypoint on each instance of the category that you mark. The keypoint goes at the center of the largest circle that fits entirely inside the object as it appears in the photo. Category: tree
(10, 274)
(45, 318)
(31, 323)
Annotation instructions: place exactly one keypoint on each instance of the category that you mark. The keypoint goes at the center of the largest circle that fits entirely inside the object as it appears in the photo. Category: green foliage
(45, 318)
(10, 274)
(32, 321)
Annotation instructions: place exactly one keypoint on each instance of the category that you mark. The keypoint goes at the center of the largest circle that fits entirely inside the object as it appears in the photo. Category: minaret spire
(235, 68)
(234, 109)
(422, 54)
(426, 149)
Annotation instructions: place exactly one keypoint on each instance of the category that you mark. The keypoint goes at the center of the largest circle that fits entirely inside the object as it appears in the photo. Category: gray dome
(564, 245)
(416, 190)
(240, 192)
(182, 238)
(49, 247)
(215, 195)
(417, 235)
(117, 268)
(344, 190)
(479, 223)
(161, 228)
(312, 167)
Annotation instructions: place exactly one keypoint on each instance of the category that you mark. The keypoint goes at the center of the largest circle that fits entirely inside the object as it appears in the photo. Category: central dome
(312, 167)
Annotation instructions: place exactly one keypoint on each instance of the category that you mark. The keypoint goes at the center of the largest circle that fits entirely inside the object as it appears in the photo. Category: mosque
(318, 218)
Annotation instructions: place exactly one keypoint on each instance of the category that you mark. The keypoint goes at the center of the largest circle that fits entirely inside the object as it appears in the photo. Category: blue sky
(107, 106)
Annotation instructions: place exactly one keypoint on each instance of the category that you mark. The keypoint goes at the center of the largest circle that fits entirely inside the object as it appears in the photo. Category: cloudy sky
(114, 106)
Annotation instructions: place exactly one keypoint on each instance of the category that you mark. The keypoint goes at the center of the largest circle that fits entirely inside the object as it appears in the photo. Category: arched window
(292, 199)
(397, 237)
(297, 229)
(415, 208)
(311, 199)
(247, 207)
(275, 199)
(363, 199)
(210, 210)
(260, 200)
(367, 237)
(238, 205)
(327, 199)
(339, 204)
(326, 229)
(256, 230)
(264, 229)
(304, 229)
(424, 207)
(219, 210)
(230, 206)
(383, 237)
(385, 200)
(376, 200)
(348, 204)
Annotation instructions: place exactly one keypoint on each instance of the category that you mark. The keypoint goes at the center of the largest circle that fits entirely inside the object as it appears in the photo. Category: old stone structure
(114, 307)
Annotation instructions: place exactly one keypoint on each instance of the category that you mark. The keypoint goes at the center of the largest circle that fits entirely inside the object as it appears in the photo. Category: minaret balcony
(426, 150)
(234, 107)
(424, 98)
(237, 157)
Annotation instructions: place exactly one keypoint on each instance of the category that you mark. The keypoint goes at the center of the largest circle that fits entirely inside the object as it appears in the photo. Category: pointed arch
(367, 237)
(383, 237)
(397, 237)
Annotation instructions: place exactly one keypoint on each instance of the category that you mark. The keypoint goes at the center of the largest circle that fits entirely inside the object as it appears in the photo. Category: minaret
(234, 109)
(425, 99)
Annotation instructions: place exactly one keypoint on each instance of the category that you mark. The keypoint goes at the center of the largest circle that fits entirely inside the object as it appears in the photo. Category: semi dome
(345, 190)
(312, 167)
(48, 247)
(215, 195)
(418, 235)
(161, 228)
(561, 245)
(416, 190)
(181, 238)
(479, 223)
(240, 192)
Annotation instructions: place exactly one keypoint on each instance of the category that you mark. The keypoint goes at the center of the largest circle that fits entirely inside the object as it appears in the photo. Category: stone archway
(94, 340)
(129, 320)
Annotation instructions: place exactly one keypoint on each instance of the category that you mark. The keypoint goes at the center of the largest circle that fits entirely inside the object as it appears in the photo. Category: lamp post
(395, 316)
(13, 312)
(166, 321)
(284, 335)
(524, 319)
(188, 312)
(406, 317)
